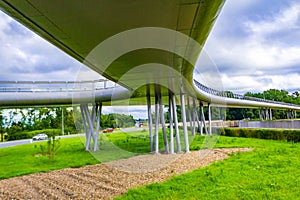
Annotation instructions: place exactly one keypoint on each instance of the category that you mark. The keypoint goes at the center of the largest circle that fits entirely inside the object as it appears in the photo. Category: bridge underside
(136, 44)
(78, 27)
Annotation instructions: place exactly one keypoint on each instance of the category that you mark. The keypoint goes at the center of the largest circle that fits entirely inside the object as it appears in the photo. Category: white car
(40, 137)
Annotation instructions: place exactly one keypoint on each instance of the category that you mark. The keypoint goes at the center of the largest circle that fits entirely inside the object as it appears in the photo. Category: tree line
(272, 94)
(23, 122)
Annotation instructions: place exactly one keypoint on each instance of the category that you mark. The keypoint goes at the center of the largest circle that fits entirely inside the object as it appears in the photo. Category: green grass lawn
(25, 159)
(271, 171)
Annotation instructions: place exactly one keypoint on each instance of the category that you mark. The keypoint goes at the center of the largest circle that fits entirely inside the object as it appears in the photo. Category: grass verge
(26, 159)
(271, 171)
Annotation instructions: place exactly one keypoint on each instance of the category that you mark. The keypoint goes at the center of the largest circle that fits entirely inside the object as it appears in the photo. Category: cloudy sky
(255, 45)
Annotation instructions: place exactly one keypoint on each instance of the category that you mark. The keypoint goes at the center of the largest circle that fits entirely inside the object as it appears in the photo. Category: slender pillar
(98, 110)
(189, 113)
(260, 114)
(149, 118)
(163, 123)
(172, 99)
(201, 118)
(90, 125)
(270, 113)
(292, 113)
(88, 133)
(93, 116)
(156, 120)
(267, 114)
(82, 109)
(198, 121)
(62, 122)
(176, 124)
(183, 116)
(209, 118)
(171, 122)
(194, 117)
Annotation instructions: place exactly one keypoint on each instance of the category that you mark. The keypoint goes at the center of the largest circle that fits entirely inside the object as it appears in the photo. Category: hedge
(270, 134)
(30, 134)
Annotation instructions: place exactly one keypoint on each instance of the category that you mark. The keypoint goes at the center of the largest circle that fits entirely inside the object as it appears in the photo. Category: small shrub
(52, 146)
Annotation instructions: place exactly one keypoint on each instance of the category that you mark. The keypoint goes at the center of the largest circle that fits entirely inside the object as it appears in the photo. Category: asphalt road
(28, 141)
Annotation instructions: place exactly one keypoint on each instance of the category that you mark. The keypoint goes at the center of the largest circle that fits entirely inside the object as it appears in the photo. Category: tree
(14, 132)
(280, 96)
(2, 128)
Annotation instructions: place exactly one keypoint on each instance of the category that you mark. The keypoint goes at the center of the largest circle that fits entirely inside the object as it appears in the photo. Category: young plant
(52, 146)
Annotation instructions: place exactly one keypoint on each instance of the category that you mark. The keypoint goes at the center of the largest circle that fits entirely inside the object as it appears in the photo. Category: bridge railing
(235, 96)
(56, 86)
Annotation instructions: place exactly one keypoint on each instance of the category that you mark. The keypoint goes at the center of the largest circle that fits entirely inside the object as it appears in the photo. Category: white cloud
(26, 56)
(260, 82)
(286, 19)
(267, 46)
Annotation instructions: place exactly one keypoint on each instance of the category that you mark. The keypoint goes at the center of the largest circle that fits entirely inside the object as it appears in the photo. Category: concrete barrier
(285, 124)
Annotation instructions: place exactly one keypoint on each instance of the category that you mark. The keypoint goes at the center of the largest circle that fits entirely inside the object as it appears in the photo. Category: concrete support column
(89, 129)
(89, 121)
(183, 116)
(82, 109)
(171, 122)
(189, 113)
(99, 110)
(149, 117)
(193, 117)
(260, 115)
(176, 124)
(203, 119)
(62, 122)
(156, 121)
(270, 113)
(209, 119)
(288, 115)
(267, 114)
(293, 114)
(196, 115)
(163, 123)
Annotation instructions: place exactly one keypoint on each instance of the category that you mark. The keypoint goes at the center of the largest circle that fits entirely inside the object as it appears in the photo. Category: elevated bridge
(150, 48)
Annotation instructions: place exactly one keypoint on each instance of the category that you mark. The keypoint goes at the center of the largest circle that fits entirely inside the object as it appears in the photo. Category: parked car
(40, 137)
(108, 130)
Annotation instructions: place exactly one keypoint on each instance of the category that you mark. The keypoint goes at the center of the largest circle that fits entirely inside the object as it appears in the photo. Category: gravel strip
(108, 180)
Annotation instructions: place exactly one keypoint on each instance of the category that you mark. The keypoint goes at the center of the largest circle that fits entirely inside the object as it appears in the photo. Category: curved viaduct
(148, 47)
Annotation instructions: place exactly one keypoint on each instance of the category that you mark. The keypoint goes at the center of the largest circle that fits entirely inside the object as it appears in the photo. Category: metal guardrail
(236, 96)
(56, 86)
